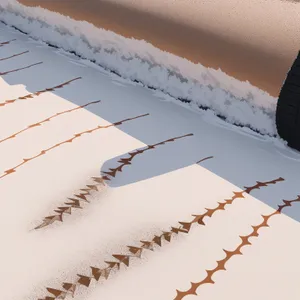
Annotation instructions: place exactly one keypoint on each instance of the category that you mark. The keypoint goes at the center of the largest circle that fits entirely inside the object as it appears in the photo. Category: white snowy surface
(238, 102)
(160, 187)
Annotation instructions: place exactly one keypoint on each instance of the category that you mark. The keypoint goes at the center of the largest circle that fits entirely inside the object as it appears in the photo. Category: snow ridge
(237, 102)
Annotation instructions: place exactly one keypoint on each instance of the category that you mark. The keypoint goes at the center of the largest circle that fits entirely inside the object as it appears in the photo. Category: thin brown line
(32, 95)
(206, 158)
(237, 251)
(47, 120)
(15, 55)
(77, 199)
(7, 42)
(127, 161)
(77, 135)
(20, 69)
(136, 252)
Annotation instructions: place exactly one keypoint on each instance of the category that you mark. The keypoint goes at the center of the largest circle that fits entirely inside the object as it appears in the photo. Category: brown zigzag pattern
(15, 55)
(136, 252)
(30, 96)
(237, 251)
(98, 183)
(76, 136)
(47, 120)
(6, 43)
(20, 69)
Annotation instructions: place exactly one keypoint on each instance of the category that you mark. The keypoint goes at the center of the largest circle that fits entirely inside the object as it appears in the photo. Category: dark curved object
(288, 107)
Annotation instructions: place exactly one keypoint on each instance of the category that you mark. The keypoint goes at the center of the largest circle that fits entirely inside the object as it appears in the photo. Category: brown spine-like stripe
(99, 182)
(108, 175)
(6, 43)
(76, 136)
(237, 251)
(32, 95)
(203, 159)
(15, 55)
(136, 251)
(47, 120)
(20, 69)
